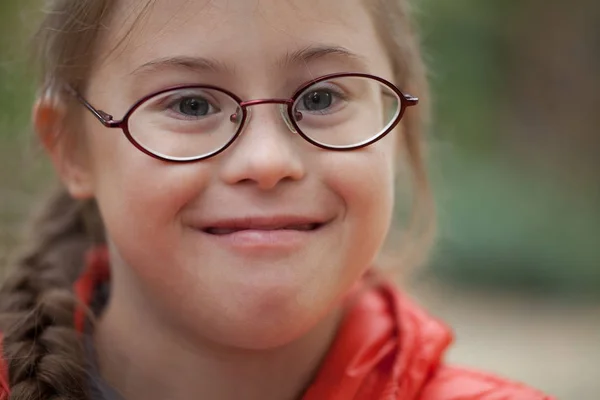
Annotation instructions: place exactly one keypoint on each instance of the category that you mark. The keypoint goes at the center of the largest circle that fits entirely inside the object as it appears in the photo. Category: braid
(43, 352)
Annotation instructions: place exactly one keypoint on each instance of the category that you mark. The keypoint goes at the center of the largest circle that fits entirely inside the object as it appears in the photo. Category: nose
(266, 153)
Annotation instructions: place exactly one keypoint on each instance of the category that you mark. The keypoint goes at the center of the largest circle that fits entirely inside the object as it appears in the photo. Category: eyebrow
(298, 57)
(311, 53)
(191, 63)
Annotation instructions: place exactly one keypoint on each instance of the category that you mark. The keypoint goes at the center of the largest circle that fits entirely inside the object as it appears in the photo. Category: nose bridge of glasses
(251, 103)
(283, 105)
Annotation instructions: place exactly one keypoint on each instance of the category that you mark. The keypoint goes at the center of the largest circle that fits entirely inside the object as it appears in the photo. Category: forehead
(243, 36)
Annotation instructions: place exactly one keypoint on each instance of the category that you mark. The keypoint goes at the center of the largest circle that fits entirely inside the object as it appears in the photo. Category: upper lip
(262, 223)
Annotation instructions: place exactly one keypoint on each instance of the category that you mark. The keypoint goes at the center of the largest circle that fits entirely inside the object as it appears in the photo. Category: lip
(264, 234)
(263, 223)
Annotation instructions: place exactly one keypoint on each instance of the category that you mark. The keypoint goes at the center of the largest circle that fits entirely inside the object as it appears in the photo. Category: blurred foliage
(23, 169)
(517, 181)
(16, 85)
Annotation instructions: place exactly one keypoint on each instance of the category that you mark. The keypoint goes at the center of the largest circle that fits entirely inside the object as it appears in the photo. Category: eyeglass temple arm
(411, 100)
(106, 119)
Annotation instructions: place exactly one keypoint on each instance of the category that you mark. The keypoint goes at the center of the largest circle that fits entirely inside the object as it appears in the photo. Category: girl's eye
(318, 100)
(321, 100)
(195, 107)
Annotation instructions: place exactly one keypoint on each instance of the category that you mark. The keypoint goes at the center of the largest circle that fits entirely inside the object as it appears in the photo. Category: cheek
(364, 180)
(140, 197)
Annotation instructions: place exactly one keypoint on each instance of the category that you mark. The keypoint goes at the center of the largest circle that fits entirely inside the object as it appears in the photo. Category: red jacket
(387, 349)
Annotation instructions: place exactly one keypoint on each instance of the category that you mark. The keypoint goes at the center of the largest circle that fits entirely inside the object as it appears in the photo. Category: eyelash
(170, 103)
(330, 87)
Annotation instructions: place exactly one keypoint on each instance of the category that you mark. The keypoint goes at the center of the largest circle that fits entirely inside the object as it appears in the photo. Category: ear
(49, 121)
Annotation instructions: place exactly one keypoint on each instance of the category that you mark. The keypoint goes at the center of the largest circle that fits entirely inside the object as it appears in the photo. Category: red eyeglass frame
(108, 121)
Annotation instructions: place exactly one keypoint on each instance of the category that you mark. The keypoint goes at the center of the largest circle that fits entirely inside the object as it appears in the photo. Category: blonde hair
(43, 352)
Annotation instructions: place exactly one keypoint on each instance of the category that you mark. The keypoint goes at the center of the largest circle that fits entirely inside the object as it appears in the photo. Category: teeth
(221, 231)
(228, 231)
(305, 227)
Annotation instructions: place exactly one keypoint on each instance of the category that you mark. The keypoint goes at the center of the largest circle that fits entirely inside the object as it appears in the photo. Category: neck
(144, 358)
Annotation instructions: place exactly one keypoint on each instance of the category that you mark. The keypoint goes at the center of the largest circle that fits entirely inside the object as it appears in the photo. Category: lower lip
(265, 241)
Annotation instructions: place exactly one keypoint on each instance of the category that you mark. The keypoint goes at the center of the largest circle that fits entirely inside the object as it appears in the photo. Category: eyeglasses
(339, 112)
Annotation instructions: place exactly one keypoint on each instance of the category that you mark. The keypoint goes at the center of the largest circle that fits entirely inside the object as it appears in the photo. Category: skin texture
(211, 314)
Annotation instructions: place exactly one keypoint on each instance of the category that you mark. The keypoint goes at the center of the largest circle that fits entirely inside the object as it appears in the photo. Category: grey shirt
(99, 388)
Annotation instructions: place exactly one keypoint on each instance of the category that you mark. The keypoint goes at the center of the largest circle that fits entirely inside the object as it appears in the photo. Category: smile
(264, 235)
(228, 231)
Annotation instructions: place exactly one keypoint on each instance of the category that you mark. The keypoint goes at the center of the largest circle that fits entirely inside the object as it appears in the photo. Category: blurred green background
(514, 160)
(516, 142)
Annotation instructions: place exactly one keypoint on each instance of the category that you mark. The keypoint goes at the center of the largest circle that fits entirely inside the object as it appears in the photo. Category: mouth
(265, 235)
(229, 230)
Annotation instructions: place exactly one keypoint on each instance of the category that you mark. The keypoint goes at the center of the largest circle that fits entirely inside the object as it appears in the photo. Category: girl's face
(172, 227)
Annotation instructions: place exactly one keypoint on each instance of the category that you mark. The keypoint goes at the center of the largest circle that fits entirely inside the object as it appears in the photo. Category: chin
(266, 319)
(265, 332)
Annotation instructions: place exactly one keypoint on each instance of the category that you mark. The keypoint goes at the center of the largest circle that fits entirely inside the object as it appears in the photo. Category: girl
(227, 175)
